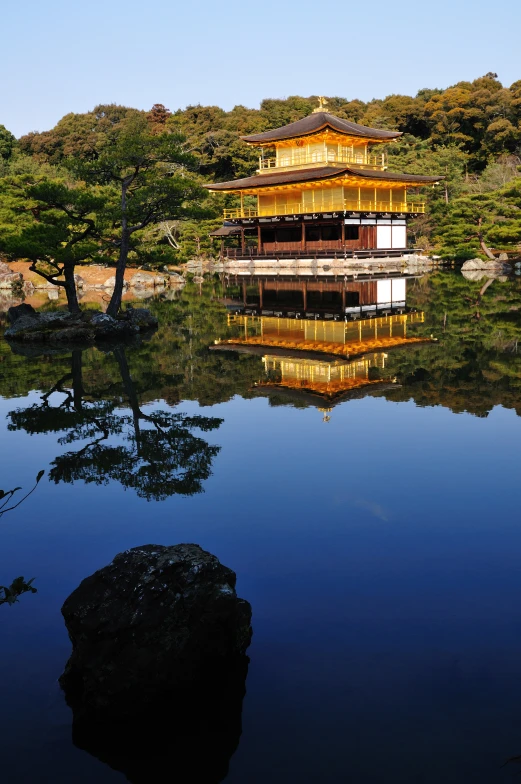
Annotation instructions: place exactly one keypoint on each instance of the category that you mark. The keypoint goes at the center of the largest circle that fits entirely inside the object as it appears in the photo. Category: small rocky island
(87, 327)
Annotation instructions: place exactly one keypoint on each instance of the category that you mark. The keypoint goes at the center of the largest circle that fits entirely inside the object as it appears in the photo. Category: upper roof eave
(316, 122)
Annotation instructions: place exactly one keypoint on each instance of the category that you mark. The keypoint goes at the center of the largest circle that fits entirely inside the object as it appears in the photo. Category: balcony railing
(340, 206)
(325, 157)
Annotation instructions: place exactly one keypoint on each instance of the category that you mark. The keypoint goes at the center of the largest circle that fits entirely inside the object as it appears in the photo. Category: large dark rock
(158, 668)
(17, 311)
(76, 333)
(141, 318)
(149, 620)
(35, 326)
(107, 327)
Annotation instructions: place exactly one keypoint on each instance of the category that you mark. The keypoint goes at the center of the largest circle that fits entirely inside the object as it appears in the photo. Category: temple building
(322, 186)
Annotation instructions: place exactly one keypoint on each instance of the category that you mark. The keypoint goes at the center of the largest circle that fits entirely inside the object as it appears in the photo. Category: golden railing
(348, 205)
(326, 157)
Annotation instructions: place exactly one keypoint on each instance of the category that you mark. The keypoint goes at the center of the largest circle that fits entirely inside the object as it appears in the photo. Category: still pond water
(356, 465)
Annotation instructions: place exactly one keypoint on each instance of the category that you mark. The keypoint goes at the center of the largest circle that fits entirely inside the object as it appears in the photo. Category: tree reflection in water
(156, 453)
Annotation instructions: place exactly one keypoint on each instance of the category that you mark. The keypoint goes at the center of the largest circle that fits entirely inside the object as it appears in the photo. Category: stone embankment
(94, 282)
(409, 264)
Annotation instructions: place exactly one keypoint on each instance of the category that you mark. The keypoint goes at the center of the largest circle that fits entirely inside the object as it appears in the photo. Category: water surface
(367, 501)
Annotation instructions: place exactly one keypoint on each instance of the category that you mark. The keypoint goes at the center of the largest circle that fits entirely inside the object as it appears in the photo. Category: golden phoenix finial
(322, 103)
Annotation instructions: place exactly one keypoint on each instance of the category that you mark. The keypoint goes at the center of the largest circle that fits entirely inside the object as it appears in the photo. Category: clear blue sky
(60, 56)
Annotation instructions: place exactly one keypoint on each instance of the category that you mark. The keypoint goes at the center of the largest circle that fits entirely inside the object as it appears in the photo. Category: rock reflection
(184, 738)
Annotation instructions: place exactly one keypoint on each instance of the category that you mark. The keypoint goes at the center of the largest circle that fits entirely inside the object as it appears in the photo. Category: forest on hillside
(470, 134)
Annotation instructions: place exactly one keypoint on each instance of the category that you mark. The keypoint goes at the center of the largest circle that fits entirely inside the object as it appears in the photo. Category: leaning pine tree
(124, 177)
(148, 175)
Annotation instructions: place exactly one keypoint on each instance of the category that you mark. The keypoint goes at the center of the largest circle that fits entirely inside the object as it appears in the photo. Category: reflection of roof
(308, 397)
(295, 353)
(350, 349)
(320, 173)
(316, 122)
(329, 389)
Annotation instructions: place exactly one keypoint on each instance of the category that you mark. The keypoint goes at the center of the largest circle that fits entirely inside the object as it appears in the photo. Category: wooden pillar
(259, 240)
(243, 241)
(344, 298)
(343, 234)
(244, 293)
(260, 294)
(305, 295)
(303, 237)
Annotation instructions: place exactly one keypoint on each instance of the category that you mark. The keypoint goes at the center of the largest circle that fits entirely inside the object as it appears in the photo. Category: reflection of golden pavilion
(329, 379)
(339, 338)
(320, 360)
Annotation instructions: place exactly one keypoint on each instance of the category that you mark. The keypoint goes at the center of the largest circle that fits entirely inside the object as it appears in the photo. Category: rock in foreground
(158, 668)
(150, 620)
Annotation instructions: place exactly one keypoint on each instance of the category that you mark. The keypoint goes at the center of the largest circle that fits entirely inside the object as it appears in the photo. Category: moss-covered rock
(153, 620)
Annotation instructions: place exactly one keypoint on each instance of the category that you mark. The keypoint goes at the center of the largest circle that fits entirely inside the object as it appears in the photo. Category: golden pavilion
(322, 186)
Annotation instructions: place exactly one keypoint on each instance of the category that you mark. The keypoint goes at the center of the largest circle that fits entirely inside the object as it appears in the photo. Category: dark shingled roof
(320, 173)
(225, 231)
(316, 122)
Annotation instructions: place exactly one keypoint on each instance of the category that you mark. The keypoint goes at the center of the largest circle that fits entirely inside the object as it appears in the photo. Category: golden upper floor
(313, 153)
(320, 139)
